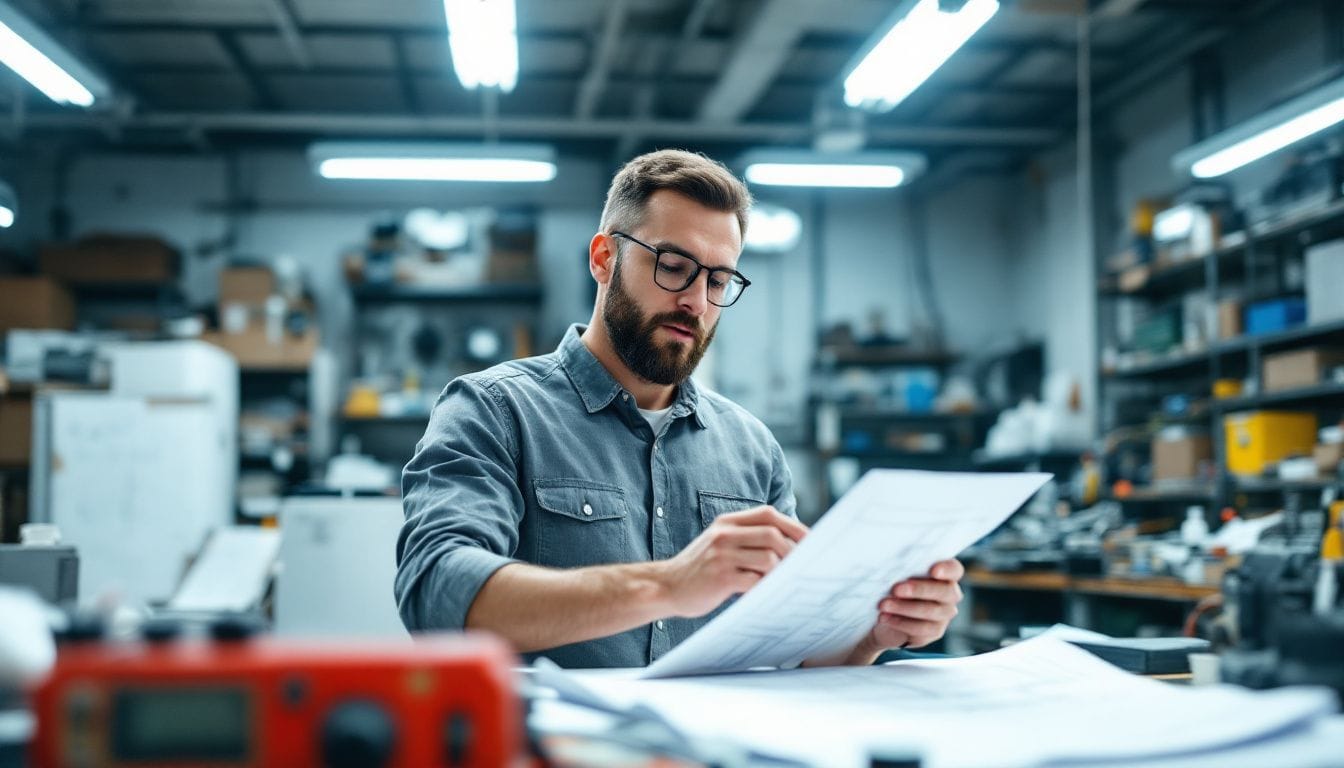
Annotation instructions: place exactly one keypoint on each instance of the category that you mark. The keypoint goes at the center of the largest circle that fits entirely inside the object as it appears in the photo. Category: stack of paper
(1040, 701)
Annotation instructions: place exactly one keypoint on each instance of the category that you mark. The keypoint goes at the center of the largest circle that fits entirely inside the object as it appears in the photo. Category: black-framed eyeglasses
(675, 271)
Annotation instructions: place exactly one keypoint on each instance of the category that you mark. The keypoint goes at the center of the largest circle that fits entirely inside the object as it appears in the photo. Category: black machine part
(1270, 583)
(1281, 641)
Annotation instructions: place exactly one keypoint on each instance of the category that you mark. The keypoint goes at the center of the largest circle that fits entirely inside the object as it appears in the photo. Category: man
(596, 505)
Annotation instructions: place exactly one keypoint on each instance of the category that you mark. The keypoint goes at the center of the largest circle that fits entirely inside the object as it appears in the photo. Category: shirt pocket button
(587, 509)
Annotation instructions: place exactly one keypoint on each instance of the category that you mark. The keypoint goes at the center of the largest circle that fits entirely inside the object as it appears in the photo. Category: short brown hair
(706, 181)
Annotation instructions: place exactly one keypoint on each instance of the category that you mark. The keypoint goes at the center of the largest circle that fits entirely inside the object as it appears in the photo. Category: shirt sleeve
(781, 483)
(462, 504)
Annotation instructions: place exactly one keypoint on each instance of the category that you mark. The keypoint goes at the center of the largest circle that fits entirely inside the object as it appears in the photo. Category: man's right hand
(737, 550)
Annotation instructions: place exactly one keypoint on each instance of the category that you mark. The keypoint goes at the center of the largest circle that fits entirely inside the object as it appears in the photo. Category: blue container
(1275, 315)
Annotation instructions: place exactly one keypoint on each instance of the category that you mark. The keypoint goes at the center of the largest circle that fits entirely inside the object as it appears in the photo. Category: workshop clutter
(265, 322)
(448, 249)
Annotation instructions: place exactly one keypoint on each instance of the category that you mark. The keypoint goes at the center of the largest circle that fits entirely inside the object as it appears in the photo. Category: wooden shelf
(1045, 581)
(1156, 588)
(1152, 589)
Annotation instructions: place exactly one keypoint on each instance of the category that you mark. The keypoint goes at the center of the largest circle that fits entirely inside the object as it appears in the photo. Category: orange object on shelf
(1224, 389)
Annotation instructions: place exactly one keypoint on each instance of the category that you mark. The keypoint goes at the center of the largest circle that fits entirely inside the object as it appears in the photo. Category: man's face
(662, 335)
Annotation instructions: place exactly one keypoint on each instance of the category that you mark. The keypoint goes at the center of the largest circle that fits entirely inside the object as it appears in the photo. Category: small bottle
(1195, 529)
(1325, 594)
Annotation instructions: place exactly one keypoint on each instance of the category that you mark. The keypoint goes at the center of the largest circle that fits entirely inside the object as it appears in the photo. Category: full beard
(665, 363)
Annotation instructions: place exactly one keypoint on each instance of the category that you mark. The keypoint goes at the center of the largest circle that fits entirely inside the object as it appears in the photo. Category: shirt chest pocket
(580, 522)
(713, 504)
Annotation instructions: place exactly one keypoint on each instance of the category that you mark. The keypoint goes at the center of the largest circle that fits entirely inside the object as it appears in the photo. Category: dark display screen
(181, 724)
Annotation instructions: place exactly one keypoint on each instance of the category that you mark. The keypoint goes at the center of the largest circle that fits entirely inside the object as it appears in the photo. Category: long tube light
(49, 67)
(434, 162)
(483, 38)
(9, 206)
(1265, 134)
(912, 50)
(802, 168)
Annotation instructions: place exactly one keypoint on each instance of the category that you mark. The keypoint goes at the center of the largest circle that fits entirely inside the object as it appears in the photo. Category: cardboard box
(1298, 369)
(1328, 457)
(254, 351)
(518, 267)
(16, 430)
(1180, 458)
(1256, 440)
(111, 259)
(35, 302)
(246, 285)
(1134, 278)
(1229, 319)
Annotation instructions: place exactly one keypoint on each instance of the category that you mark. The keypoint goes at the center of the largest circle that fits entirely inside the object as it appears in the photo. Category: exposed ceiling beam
(756, 58)
(590, 88)
(661, 69)
(261, 91)
(289, 31)
(318, 123)
(652, 79)
(405, 75)
(1112, 9)
(812, 41)
(1166, 57)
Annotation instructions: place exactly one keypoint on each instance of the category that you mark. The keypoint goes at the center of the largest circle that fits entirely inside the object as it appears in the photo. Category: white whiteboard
(133, 485)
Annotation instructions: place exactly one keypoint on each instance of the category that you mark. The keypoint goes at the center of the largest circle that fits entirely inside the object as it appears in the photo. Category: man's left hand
(917, 611)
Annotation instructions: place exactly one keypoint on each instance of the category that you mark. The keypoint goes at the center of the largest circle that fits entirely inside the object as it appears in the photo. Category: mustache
(680, 318)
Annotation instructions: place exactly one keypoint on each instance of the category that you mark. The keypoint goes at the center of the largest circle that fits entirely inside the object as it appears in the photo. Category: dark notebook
(1147, 655)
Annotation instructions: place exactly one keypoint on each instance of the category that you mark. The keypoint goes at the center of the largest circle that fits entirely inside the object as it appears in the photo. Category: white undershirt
(656, 419)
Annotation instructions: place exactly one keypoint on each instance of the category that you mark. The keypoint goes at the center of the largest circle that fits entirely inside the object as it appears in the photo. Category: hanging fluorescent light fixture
(912, 50)
(804, 168)
(1265, 134)
(44, 63)
(434, 162)
(483, 38)
(9, 206)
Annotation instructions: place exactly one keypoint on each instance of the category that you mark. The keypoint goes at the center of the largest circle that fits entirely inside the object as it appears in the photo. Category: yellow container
(1259, 439)
(1226, 388)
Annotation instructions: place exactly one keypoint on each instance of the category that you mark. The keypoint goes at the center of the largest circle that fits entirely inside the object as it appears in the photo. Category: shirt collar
(598, 388)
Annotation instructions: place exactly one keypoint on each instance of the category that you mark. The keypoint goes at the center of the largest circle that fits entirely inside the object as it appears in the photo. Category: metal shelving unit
(497, 306)
(961, 431)
(1239, 260)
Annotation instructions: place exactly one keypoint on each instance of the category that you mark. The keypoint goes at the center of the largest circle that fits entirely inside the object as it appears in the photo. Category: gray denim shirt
(548, 461)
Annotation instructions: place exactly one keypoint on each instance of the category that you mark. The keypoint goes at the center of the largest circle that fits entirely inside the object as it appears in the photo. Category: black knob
(358, 734)
(83, 628)
(160, 630)
(234, 627)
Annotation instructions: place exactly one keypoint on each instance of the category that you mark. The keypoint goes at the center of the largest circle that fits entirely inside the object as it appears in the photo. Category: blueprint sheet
(1042, 701)
(822, 599)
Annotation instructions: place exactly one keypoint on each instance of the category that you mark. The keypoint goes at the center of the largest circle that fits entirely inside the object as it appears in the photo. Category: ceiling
(601, 77)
